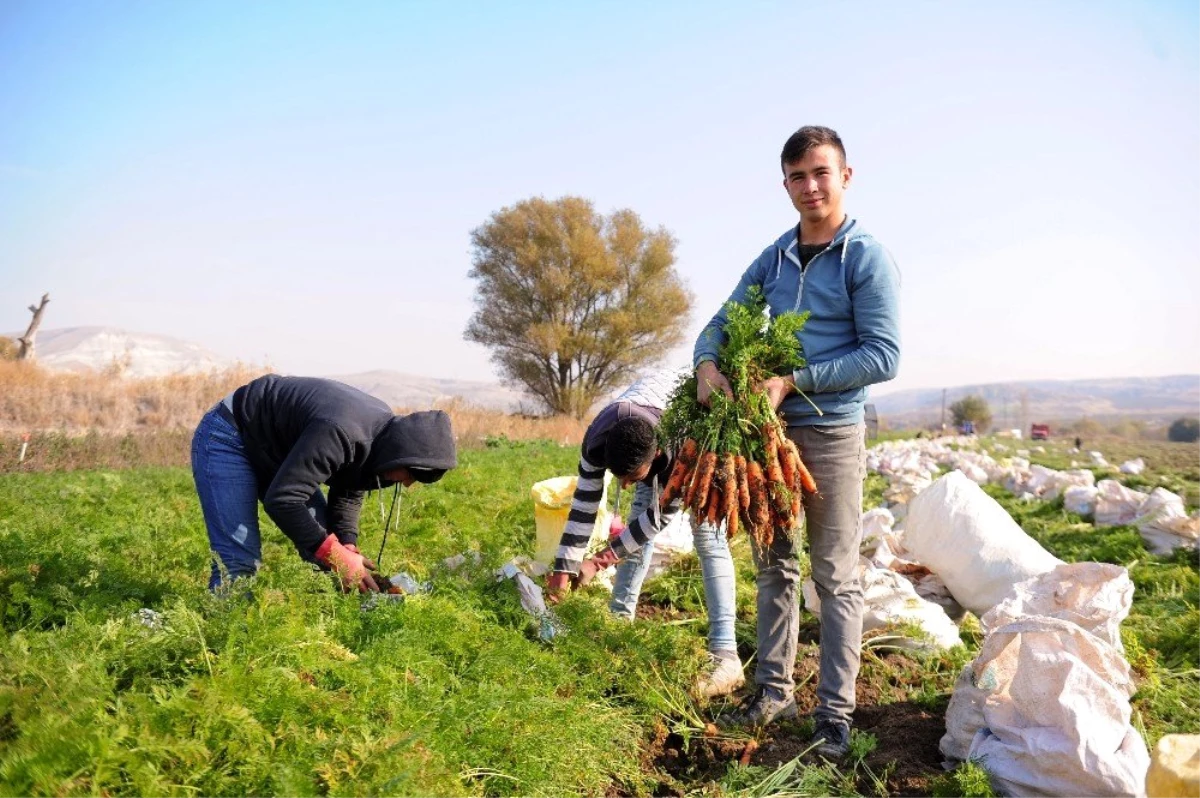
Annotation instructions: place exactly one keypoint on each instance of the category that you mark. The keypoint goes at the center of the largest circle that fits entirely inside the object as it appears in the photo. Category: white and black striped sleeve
(589, 489)
(646, 526)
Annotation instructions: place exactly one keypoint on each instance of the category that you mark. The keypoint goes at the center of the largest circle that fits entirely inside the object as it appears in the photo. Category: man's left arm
(643, 528)
(875, 299)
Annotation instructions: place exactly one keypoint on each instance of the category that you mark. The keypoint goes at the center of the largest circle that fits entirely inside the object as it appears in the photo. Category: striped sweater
(646, 398)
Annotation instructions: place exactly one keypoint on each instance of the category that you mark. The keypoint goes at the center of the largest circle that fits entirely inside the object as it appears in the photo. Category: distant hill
(136, 354)
(1012, 403)
(1021, 403)
(419, 393)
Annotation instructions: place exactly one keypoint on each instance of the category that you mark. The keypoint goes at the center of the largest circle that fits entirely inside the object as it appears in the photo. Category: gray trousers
(836, 456)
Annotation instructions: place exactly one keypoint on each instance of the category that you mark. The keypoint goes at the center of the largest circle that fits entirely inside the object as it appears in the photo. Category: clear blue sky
(295, 182)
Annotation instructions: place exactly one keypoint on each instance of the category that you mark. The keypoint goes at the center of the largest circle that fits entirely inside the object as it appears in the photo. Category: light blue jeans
(716, 565)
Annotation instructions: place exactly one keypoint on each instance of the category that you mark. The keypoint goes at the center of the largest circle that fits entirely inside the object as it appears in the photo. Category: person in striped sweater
(622, 439)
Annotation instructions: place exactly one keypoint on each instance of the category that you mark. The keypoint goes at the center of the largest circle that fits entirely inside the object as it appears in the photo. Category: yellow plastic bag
(551, 506)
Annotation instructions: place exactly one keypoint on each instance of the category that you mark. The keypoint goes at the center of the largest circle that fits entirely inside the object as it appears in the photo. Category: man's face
(401, 475)
(816, 184)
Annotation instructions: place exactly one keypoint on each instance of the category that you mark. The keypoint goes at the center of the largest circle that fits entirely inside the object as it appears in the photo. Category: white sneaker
(722, 677)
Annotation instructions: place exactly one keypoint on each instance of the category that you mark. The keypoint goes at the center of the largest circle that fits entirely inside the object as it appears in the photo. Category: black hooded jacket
(302, 432)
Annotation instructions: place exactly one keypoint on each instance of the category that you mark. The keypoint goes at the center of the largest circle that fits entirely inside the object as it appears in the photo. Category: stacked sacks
(1046, 702)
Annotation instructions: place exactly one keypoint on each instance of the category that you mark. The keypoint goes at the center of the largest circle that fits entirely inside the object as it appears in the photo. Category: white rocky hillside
(136, 354)
(132, 354)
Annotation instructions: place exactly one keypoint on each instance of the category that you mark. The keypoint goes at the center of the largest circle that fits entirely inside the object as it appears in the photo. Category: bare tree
(25, 352)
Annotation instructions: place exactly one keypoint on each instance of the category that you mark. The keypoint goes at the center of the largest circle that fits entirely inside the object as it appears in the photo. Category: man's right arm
(712, 337)
(581, 520)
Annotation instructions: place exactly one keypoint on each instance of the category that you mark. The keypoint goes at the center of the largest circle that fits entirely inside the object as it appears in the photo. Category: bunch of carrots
(734, 463)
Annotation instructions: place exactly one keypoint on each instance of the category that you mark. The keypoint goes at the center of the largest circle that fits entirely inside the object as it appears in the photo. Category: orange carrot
(693, 485)
(713, 508)
(704, 473)
(685, 463)
(675, 482)
(760, 511)
(771, 463)
(787, 462)
(806, 477)
(731, 521)
(739, 465)
(729, 483)
(689, 451)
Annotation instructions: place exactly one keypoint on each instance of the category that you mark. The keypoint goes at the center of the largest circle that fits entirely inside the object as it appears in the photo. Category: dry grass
(36, 400)
(102, 420)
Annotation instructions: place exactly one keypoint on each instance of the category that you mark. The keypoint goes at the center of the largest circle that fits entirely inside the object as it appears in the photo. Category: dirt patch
(906, 755)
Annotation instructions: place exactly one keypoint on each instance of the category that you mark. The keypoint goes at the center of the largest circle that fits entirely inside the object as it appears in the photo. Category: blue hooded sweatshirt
(852, 338)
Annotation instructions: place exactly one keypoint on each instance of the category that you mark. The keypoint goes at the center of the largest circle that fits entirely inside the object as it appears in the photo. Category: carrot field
(121, 675)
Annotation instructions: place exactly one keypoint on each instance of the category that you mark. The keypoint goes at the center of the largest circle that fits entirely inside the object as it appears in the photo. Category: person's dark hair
(807, 138)
(631, 443)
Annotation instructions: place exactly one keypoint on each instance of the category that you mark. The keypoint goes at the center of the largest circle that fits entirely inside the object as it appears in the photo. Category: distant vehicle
(1039, 432)
(967, 428)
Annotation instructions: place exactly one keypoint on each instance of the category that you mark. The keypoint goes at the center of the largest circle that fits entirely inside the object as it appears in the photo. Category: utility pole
(943, 409)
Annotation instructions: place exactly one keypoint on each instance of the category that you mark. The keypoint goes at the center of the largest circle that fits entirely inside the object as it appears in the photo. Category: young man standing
(829, 265)
(622, 439)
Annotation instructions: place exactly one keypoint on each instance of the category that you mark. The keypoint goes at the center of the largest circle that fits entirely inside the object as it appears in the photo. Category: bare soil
(906, 757)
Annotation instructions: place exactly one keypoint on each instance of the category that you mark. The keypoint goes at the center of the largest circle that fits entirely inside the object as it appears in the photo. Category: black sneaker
(758, 710)
(832, 739)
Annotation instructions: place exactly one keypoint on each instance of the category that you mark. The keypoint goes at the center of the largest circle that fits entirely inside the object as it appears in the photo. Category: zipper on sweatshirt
(803, 270)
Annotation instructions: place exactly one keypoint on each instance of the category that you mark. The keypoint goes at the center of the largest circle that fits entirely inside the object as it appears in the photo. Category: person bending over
(277, 440)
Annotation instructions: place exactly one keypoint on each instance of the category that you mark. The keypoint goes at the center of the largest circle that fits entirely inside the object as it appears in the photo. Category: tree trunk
(25, 351)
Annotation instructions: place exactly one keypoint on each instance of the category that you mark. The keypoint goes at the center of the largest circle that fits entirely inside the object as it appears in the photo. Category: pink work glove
(351, 567)
(594, 565)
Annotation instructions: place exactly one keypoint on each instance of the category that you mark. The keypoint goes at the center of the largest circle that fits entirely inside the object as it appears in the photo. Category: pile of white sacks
(1046, 702)
(1159, 516)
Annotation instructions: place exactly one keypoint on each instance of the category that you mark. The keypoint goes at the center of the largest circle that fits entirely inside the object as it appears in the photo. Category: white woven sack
(1116, 504)
(1095, 596)
(1054, 700)
(1081, 500)
(965, 537)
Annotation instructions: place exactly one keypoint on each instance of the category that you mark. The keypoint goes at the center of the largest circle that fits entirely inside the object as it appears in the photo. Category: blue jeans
(229, 496)
(716, 565)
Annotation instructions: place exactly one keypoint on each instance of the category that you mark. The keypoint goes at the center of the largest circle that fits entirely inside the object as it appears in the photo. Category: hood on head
(421, 441)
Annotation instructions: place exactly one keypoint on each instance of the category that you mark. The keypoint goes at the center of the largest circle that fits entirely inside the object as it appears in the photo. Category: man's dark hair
(807, 138)
(631, 443)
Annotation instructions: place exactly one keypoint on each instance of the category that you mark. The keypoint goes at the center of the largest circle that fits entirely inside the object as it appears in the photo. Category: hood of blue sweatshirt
(852, 339)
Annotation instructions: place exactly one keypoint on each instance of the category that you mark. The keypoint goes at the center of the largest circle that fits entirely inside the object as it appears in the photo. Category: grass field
(296, 689)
